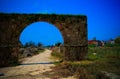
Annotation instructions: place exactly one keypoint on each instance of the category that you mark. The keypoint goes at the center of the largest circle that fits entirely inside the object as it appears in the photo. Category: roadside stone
(33, 50)
(109, 75)
(34, 73)
(39, 78)
(43, 78)
(1, 74)
(21, 50)
(47, 78)
(27, 53)
(71, 77)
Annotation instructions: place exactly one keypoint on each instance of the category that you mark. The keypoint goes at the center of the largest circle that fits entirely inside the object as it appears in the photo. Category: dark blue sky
(103, 15)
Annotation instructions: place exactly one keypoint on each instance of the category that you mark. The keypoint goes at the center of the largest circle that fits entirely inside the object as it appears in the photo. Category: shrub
(117, 40)
(91, 45)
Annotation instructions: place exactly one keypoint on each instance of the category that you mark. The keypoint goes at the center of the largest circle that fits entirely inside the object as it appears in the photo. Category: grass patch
(57, 55)
(41, 51)
(99, 59)
(99, 53)
(105, 59)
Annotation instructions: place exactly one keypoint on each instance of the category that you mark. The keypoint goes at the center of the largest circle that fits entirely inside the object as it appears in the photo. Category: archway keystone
(72, 27)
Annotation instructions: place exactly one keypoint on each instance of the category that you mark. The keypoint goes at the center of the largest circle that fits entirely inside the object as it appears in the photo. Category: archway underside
(72, 27)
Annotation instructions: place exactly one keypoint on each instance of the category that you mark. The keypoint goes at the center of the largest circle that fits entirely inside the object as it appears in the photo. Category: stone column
(75, 40)
(8, 55)
(75, 53)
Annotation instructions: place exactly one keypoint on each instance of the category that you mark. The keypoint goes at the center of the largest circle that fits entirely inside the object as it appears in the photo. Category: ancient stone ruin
(72, 27)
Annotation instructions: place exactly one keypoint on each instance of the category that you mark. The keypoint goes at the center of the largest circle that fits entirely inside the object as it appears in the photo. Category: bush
(91, 45)
(57, 55)
(117, 40)
(109, 45)
(102, 52)
(116, 45)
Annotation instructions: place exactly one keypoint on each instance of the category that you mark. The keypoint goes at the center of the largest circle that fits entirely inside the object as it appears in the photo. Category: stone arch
(72, 27)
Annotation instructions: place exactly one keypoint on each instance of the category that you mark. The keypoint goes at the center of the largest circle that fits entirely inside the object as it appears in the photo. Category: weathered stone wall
(72, 27)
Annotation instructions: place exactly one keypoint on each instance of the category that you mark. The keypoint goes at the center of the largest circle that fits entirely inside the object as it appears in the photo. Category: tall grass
(99, 59)
(103, 52)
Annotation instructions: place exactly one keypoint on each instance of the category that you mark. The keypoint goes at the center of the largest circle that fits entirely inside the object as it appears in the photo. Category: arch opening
(41, 32)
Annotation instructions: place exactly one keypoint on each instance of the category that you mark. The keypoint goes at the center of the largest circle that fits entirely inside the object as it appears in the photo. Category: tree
(58, 44)
(31, 44)
(94, 38)
(117, 40)
(40, 44)
(26, 44)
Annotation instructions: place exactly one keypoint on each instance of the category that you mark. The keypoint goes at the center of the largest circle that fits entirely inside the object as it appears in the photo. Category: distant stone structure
(72, 27)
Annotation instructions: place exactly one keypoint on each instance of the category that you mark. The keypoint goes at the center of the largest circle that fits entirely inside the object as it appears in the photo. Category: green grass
(98, 59)
(41, 51)
(106, 59)
(57, 55)
(98, 53)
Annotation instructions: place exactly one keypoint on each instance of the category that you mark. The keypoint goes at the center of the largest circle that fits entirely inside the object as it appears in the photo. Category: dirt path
(33, 71)
(42, 57)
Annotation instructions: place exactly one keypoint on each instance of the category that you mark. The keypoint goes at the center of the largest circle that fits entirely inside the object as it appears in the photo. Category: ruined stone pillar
(75, 53)
(8, 55)
(76, 47)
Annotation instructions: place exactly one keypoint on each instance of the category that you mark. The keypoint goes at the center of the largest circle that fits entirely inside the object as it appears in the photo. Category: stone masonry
(72, 27)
